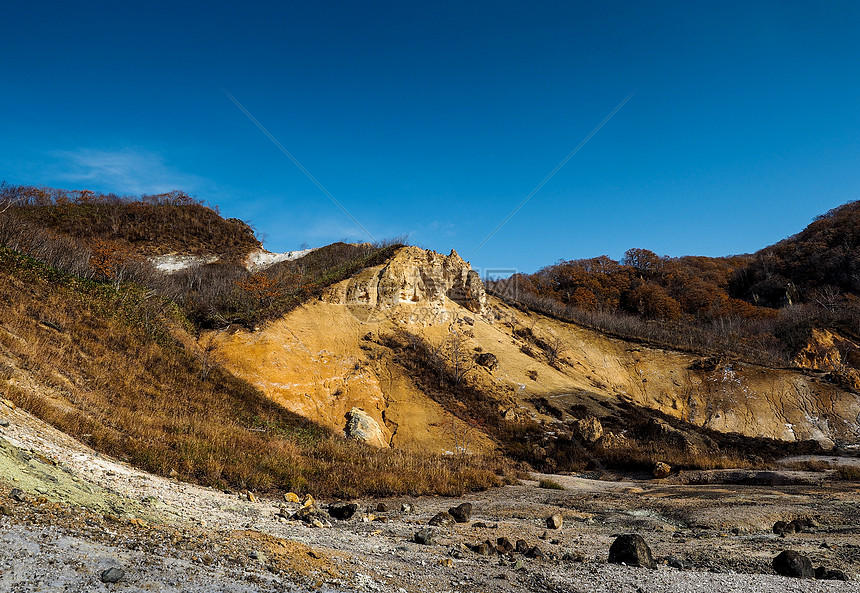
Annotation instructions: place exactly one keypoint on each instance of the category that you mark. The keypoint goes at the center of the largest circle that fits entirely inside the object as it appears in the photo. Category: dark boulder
(462, 512)
(793, 564)
(631, 549)
(342, 511)
(504, 545)
(830, 574)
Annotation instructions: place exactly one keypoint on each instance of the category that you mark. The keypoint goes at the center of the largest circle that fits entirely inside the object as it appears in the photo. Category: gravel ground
(83, 513)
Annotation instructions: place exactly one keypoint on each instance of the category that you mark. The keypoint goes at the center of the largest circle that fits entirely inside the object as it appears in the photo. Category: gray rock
(382, 507)
(112, 575)
(4, 423)
(462, 512)
(362, 427)
(555, 521)
(522, 546)
(442, 519)
(631, 549)
(405, 508)
(793, 564)
(426, 537)
(18, 495)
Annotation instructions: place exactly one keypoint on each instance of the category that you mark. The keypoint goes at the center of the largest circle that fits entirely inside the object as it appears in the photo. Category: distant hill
(148, 224)
(761, 306)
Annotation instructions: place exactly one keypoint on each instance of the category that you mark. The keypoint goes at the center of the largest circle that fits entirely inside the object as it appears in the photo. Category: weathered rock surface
(442, 519)
(662, 470)
(631, 549)
(462, 512)
(362, 427)
(793, 564)
(555, 521)
(588, 429)
(414, 276)
(343, 511)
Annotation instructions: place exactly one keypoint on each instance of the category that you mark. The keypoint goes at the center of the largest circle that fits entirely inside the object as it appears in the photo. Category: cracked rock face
(417, 279)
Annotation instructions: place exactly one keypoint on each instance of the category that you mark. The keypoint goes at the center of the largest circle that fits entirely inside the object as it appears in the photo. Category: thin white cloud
(124, 171)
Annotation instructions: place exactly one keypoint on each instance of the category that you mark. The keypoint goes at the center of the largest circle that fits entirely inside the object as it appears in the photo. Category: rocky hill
(397, 346)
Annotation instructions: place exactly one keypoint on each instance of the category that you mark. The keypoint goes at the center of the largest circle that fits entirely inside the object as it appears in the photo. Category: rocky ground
(68, 515)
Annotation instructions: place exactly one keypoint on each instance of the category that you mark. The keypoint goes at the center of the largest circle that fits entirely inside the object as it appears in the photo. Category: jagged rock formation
(828, 351)
(423, 281)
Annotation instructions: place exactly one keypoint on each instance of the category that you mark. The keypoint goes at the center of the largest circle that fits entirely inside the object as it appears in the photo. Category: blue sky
(438, 119)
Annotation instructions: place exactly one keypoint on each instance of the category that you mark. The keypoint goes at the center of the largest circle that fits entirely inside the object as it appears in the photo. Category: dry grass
(550, 484)
(849, 473)
(114, 376)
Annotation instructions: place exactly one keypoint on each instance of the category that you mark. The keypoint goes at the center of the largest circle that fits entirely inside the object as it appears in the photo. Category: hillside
(760, 308)
(218, 371)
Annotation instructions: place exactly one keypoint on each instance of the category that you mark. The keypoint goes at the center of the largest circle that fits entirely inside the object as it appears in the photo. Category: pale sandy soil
(85, 513)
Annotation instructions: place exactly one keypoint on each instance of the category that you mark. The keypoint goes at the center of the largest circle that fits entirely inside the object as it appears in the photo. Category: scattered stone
(504, 545)
(382, 508)
(544, 536)
(631, 549)
(446, 562)
(442, 519)
(342, 512)
(4, 423)
(317, 523)
(830, 574)
(488, 360)
(311, 513)
(555, 521)
(112, 575)
(662, 470)
(522, 546)
(405, 508)
(779, 527)
(793, 564)
(804, 525)
(536, 553)
(308, 501)
(368, 518)
(573, 557)
(17, 495)
(255, 555)
(250, 496)
(462, 512)
(426, 537)
(172, 473)
(5, 511)
(292, 497)
(783, 528)
(483, 549)
(676, 562)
